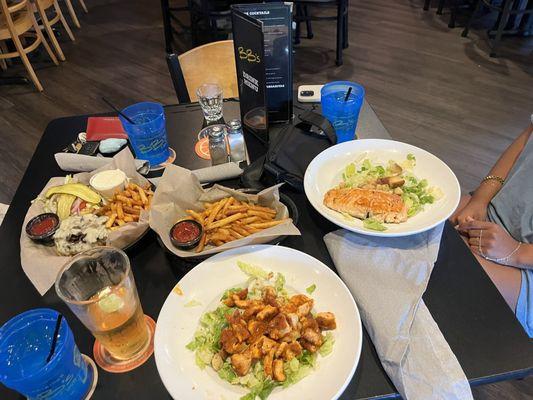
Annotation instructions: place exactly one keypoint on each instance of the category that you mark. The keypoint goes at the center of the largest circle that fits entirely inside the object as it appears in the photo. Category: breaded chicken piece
(256, 329)
(367, 203)
(277, 369)
(230, 343)
(278, 327)
(267, 313)
(294, 349)
(326, 321)
(281, 349)
(268, 345)
(309, 322)
(268, 361)
(312, 337)
(255, 349)
(241, 363)
(241, 295)
(270, 296)
(253, 308)
(291, 336)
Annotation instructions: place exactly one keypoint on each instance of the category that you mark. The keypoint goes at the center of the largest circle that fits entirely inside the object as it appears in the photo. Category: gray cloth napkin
(218, 172)
(387, 277)
(212, 174)
(84, 163)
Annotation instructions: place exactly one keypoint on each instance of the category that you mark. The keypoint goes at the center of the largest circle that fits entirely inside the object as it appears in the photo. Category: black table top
(481, 330)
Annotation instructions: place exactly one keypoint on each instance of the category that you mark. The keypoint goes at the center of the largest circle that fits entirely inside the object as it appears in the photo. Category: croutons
(216, 362)
(392, 181)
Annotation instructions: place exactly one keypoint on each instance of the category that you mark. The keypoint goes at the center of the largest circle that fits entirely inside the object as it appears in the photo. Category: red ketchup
(43, 226)
(185, 232)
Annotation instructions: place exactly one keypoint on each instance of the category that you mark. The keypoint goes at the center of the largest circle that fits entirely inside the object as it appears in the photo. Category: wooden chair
(42, 6)
(72, 12)
(210, 63)
(16, 21)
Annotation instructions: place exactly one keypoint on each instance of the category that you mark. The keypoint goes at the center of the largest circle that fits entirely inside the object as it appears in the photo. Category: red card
(100, 128)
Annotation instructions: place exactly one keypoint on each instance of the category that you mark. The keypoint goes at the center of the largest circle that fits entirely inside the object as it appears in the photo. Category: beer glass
(99, 288)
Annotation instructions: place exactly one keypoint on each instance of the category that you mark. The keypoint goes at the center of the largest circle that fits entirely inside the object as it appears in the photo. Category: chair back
(14, 24)
(209, 63)
(12, 7)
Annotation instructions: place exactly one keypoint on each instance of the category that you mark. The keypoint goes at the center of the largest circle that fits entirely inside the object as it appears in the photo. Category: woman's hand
(474, 209)
(490, 240)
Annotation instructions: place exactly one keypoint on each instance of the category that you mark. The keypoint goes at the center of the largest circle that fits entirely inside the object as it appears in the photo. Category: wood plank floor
(430, 87)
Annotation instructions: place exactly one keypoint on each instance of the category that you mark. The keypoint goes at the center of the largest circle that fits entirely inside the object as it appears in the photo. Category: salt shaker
(236, 141)
(217, 145)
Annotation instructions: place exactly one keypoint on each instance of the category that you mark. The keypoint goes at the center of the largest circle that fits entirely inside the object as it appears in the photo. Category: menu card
(263, 46)
(249, 59)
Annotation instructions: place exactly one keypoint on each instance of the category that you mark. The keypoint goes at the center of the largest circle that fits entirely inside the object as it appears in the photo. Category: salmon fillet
(367, 203)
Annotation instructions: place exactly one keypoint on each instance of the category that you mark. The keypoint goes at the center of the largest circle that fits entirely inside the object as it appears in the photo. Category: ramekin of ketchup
(42, 227)
(186, 234)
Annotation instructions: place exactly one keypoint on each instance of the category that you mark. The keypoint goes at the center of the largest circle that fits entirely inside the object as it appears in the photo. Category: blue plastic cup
(342, 114)
(148, 136)
(25, 342)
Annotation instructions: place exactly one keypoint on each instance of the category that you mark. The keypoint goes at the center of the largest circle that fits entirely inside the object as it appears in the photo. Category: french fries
(230, 219)
(126, 206)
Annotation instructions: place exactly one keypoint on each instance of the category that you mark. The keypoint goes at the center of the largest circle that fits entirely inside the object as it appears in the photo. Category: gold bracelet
(493, 178)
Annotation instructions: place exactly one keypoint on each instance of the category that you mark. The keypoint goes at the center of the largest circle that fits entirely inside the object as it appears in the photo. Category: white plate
(207, 282)
(325, 172)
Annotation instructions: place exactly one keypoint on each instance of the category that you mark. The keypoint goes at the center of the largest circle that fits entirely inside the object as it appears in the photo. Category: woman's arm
(488, 189)
(524, 256)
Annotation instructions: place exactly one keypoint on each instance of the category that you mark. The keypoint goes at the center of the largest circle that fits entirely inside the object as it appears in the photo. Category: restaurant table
(475, 320)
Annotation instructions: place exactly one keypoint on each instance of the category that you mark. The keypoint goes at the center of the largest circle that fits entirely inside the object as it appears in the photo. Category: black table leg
(454, 7)
(340, 31)
(440, 7)
(501, 26)
(308, 26)
(345, 42)
(427, 3)
(167, 27)
(471, 18)
(299, 14)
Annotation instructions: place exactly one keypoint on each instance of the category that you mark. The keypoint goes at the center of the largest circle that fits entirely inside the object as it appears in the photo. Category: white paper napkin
(387, 277)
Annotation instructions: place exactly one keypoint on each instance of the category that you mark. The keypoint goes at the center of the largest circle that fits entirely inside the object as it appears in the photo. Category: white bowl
(325, 172)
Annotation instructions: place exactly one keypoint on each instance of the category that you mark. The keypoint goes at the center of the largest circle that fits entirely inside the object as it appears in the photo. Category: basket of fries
(119, 221)
(229, 218)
